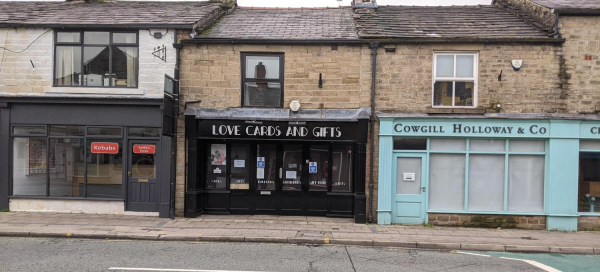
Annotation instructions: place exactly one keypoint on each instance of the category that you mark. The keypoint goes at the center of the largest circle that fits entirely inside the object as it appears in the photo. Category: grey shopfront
(73, 150)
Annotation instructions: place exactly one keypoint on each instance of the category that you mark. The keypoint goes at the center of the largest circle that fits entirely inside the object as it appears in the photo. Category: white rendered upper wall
(30, 72)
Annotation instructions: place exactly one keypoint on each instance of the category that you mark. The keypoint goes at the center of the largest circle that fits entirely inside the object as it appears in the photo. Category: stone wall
(588, 223)
(30, 72)
(530, 11)
(212, 74)
(581, 57)
(405, 78)
(488, 221)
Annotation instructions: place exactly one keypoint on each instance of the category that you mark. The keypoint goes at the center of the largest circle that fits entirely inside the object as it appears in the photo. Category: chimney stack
(360, 4)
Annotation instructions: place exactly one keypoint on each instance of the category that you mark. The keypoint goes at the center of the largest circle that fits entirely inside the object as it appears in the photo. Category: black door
(240, 199)
(267, 183)
(293, 187)
(142, 187)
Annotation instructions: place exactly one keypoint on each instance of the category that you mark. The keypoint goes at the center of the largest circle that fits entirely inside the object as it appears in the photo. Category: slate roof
(294, 24)
(571, 6)
(450, 22)
(103, 14)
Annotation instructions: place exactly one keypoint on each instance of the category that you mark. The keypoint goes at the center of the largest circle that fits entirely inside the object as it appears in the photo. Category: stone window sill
(432, 110)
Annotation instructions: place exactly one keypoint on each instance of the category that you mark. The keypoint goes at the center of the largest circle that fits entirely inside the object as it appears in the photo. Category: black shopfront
(254, 161)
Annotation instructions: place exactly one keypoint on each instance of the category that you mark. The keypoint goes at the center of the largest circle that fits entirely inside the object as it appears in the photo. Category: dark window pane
(144, 132)
(67, 66)
(68, 37)
(442, 94)
(104, 171)
(341, 181)
(96, 37)
(29, 130)
(318, 167)
(410, 144)
(216, 166)
(143, 165)
(262, 67)
(240, 176)
(29, 166)
(67, 131)
(101, 131)
(95, 66)
(124, 38)
(266, 173)
(262, 94)
(292, 167)
(125, 66)
(67, 165)
(589, 182)
(464, 93)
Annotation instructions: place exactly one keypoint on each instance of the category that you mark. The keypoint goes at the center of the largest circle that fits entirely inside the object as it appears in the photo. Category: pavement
(294, 230)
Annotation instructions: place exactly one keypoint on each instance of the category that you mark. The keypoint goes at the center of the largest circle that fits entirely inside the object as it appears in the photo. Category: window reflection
(29, 166)
(66, 166)
(341, 180)
(105, 171)
(318, 167)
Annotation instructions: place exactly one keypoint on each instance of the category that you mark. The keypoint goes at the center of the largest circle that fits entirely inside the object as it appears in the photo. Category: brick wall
(19, 77)
(488, 221)
(405, 78)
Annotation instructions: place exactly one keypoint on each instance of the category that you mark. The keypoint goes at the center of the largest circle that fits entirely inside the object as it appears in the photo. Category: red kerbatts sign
(144, 149)
(105, 148)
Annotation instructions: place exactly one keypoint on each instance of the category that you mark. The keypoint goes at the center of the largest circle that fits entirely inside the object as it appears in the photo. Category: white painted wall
(29, 73)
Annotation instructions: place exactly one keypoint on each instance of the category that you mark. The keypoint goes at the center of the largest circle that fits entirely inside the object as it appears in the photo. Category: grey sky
(335, 3)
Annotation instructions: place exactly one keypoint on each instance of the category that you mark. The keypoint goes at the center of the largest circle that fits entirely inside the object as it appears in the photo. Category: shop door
(292, 200)
(142, 187)
(409, 197)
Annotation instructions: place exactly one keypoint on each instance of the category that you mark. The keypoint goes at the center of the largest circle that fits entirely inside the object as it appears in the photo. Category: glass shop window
(455, 79)
(67, 167)
(240, 174)
(29, 130)
(318, 167)
(141, 132)
(487, 161)
(67, 131)
(589, 176)
(104, 168)
(262, 80)
(216, 172)
(266, 166)
(341, 169)
(96, 59)
(104, 131)
(292, 167)
(29, 166)
(410, 144)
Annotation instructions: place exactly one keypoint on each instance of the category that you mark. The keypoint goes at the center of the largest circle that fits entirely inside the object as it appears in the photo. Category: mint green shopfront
(494, 166)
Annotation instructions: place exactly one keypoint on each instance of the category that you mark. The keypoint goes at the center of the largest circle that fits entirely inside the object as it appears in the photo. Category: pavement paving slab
(294, 230)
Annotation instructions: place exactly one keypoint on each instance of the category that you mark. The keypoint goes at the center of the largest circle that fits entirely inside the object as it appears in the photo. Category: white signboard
(239, 163)
(260, 173)
(290, 174)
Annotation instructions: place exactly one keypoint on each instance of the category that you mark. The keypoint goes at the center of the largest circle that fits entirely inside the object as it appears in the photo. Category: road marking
(534, 263)
(177, 270)
(474, 254)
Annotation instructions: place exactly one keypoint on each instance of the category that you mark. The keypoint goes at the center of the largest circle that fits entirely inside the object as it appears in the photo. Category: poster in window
(217, 154)
(37, 155)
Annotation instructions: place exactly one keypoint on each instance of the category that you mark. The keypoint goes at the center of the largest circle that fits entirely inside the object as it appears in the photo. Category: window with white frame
(455, 79)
